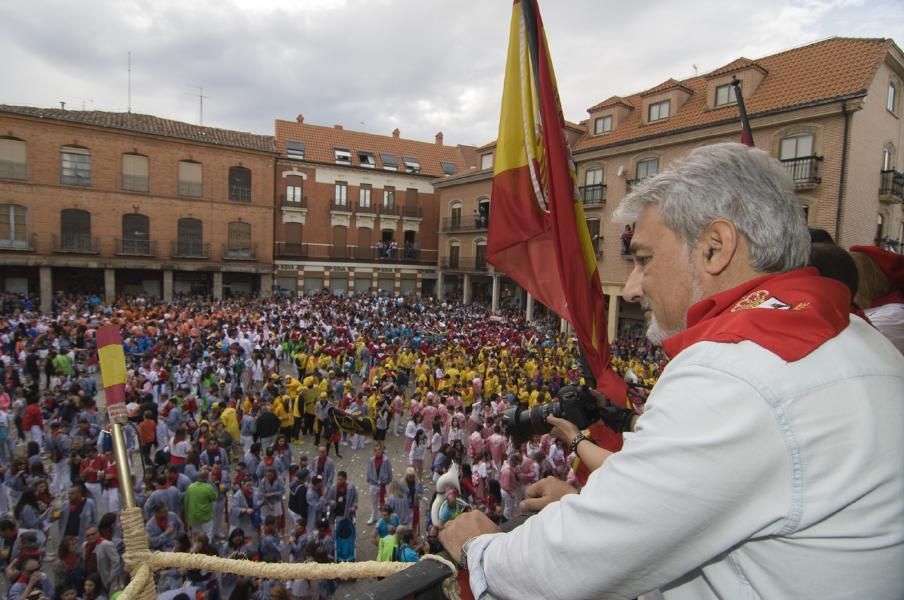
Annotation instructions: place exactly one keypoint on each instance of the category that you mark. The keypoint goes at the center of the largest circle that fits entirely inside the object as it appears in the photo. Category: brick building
(830, 111)
(356, 211)
(132, 204)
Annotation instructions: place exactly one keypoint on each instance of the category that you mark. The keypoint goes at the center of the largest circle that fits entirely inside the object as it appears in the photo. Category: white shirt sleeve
(706, 469)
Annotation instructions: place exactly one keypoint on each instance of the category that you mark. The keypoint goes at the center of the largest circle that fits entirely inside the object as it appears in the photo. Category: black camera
(573, 403)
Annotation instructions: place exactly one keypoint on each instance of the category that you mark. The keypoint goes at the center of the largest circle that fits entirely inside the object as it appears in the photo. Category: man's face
(321, 452)
(378, 450)
(74, 494)
(91, 535)
(665, 280)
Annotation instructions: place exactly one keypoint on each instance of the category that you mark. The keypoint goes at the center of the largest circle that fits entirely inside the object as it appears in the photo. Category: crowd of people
(244, 413)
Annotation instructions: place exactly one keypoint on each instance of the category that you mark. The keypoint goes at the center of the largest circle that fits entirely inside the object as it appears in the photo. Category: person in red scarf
(767, 460)
(880, 292)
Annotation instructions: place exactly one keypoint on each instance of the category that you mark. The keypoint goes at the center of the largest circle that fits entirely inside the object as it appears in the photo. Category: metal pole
(126, 491)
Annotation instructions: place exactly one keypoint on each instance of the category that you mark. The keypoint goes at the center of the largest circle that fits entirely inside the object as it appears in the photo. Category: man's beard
(656, 333)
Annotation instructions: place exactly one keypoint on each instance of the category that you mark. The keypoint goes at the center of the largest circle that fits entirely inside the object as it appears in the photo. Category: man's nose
(633, 292)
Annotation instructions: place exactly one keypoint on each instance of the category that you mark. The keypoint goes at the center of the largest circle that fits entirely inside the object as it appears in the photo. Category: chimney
(337, 126)
(439, 138)
(299, 118)
(396, 133)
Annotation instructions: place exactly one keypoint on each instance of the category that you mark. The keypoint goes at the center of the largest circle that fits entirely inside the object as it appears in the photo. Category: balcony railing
(30, 244)
(190, 249)
(390, 210)
(891, 187)
(249, 253)
(340, 251)
(468, 223)
(75, 243)
(340, 205)
(412, 211)
(593, 194)
(13, 170)
(190, 188)
(370, 209)
(291, 250)
(471, 264)
(403, 255)
(302, 203)
(135, 247)
(804, 171)
(239, 193)
(136, 183)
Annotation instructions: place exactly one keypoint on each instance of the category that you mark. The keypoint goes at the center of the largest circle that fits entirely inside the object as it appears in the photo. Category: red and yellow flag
(112, 361)
(538, 234)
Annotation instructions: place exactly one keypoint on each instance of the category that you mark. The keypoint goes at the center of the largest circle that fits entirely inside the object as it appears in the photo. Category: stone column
(266, 285)
(218, 285)
(612, 316)
(397, 284)
(167, 285)
(529, 313)
(375, 281)
(46, 278)
(109, 286)
(466, 288)
(496, 286)
(563, 325)
(351, 282)
(439, 285)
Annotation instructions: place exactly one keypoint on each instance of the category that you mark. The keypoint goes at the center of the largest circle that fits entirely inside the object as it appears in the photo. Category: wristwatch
(463, 557)
(580, 437)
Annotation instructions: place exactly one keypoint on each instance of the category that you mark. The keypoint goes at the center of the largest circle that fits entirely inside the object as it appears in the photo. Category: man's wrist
(463, 555)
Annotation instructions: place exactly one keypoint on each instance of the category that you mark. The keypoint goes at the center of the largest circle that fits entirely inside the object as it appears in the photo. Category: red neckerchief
(268, 460)
(895, 297)
(321, 462)
(74, 506)
(790, 314)
(378, 464)
(162, 522)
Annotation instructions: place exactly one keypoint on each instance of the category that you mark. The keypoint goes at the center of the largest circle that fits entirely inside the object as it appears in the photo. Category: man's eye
(641, 260)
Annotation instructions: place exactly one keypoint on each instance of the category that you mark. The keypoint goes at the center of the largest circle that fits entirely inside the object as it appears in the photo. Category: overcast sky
(420, 65)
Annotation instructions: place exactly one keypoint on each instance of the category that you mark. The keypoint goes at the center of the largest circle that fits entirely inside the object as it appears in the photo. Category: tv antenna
(130, 81)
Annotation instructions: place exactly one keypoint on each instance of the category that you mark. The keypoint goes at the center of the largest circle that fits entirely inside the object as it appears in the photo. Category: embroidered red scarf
(790, 314)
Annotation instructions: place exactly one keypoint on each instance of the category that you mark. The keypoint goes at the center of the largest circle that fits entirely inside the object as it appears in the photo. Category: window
(136, 234)
(412, 165)
(364, 196)
(13, 226)
(592, 192)
(593, 176)
(343, 156)
(389, 198)
(602, 125)
(888, 158)
(449, 168)
(647, 167)
(480, 256)
(75, 230)
(239, 239)
(75, 165)
(455, 214)
(190, 179)
(239, 184)
(135, 173)
(796, 146)
(892, 102)
(367, 159)
(725, 94)
(411, 196)
(486, 161)
(341, 197)
(659, 111)
(880, 227)
(293, 193)
(454, 250)
(295, 149)
(389, 162)
(13, 164)
(190, 241)
(593, 228)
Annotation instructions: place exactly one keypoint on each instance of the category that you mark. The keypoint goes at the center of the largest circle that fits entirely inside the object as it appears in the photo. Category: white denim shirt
(747, 477)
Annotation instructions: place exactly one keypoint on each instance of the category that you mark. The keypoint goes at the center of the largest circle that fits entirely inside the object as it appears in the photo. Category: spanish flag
(112, 365)
(538, 234)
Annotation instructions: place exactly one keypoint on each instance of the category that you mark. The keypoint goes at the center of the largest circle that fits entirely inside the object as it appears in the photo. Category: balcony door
(136, 234)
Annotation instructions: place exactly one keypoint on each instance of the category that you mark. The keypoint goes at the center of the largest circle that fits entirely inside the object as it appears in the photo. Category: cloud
(420, 66)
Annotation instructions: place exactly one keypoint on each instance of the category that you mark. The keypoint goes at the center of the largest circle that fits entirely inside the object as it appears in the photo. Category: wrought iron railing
(290, 250)
(412, 211)
(300, 203)
(135, 247)
(340, 205)
(470, 264)
(804, 171)
(891, 186)
(29, 244)
(249, 253)
(190, 249)
(466, 223)
(593, 194)
(239, 193)
(75, 243)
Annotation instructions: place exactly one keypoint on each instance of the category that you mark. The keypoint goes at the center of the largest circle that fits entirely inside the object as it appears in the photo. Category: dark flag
(746, 133)
(352, 423)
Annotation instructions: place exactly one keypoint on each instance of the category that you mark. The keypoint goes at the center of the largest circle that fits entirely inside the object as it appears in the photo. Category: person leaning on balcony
(748, 475)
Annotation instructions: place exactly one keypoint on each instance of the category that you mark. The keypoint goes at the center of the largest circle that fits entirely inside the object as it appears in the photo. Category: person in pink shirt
(476, 446)
(496, 445)
(429, 413)
(508, 481)
(398, 408)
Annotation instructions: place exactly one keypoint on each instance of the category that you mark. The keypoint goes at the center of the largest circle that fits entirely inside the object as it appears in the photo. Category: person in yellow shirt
(284, 413)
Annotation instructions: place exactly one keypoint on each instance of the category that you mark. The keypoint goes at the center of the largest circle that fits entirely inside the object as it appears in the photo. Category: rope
(141, 563)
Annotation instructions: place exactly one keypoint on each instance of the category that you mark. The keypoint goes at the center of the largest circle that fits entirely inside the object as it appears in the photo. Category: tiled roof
(735, 65)
(822, 71)
(150, 124)
(610, 101)
(320, 141)
(668, 84)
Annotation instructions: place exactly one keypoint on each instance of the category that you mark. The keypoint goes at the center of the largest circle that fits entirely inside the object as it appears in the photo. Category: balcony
(13, 170)
(340, 205)
(389, 210)
(190, 188)
(248, 253)
(415, 212)
(136, 183)
(804, 171)
(340, 251)
(239, 193)
(891, 187)
(291, 250)
(30, 244)
(474, 264)
(593, 195)
(191, 249)
(369, 209)
(75, 243)
(471, 223)
(397, 255)
(286, 203)
(135, 247)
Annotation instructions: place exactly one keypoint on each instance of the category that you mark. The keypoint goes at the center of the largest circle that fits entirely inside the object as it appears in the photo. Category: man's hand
(465, 526)
(543, 492)
(562, 430)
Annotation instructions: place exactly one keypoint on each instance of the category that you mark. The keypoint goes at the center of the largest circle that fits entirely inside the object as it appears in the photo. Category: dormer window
(389, 162)
(602, 125)
(486, 161)
(411, 164)
(343, 156)
(725, 95)
(295, 149)
(449, 168)
(367, 159)
(659, 111)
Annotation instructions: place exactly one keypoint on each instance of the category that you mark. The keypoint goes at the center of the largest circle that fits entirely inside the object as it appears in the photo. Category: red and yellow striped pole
(112, 361)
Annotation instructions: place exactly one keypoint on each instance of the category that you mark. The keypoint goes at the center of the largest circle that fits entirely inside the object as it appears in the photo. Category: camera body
(573, 403)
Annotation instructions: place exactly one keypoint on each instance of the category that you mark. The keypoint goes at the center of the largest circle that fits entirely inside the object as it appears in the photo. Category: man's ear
(718, 244)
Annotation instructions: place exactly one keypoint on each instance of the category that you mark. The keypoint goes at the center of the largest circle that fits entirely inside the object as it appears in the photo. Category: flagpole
(746, 132)
(121, 454)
